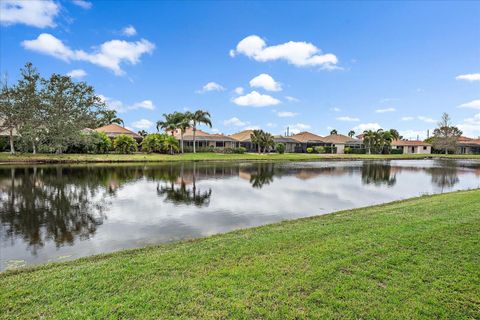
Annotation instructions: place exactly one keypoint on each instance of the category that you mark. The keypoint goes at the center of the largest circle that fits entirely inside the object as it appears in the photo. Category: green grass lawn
(142, 157)
(414, 259)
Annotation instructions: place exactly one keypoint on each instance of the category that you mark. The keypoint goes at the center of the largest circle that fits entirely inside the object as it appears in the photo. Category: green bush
(4, 144)
(239, 150)
(396, 151)
(309, 150)
(86, 142)
(280, 147)
(124, 144)
(319, 149)
(347, 150)
(153, 143)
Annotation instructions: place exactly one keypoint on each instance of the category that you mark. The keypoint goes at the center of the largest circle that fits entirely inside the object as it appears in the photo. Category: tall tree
(29, 107)
(334, 131)
(183, 124)
(9, 119)
(199, 117)
(70, 107)
(369, 137)
(395, 134)
(256, 138)
(445, 137)
(351, 133)
(142, 133)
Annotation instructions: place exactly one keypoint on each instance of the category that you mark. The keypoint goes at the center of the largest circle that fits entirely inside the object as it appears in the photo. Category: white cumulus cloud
(367, 126)
(426, 119)
(385, 110)
(469, 77)
(286, 114)
(292, 99)
(298, 53)
(348, 119)
(35, 13)
(255, 99)
(142, 124)
(266, 82)
(298, 127)
(109, 55)
(408, 118)
(83, 4)
(120, 107)
(474, 104)
(211, 86)
(238, 90)
(234, 122)
(129, 31)
(77, 73)
(471, 126)
(145, 104)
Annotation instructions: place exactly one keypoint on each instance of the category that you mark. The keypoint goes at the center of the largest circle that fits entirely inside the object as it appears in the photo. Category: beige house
(340, 141)
(204, 139)
(308, 140)
(113, 130)
(412, 147)
(467, 145)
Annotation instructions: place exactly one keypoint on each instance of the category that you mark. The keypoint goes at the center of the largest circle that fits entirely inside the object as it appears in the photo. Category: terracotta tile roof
(114, 129)
(339, 138)
(469, 142)
(282, 139)
(202, 136)
(307, 137)
(242, 135)
(409, 143)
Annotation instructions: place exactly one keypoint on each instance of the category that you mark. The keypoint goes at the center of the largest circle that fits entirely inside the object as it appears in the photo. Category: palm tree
(170, 143)
(369, 137)
(199, 117)
(183, 124)
(267, 141)
(395, 134)
(256, 138)
(109, 117)
(170, 124)
(334, 131)
(143, 133)
(351, 133)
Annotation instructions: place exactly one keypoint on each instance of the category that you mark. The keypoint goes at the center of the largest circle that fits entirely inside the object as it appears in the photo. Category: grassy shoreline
(416, 258)
(140, 157)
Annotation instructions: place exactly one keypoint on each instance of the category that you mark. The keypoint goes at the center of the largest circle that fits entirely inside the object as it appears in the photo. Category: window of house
(219, 144)
(424, 148)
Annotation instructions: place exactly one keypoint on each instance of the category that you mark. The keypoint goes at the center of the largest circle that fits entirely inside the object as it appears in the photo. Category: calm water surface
(59, 212)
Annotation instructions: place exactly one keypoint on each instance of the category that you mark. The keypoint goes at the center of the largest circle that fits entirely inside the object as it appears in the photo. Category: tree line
(49, 113)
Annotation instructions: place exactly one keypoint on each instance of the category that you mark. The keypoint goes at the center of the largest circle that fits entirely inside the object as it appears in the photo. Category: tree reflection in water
(444, 177)
(45, 204)
(262, 175)
(378, 174)
(176, 190)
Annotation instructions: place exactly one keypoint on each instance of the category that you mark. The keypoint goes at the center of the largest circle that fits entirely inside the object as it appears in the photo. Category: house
(204, 139)
(467, 145)
(113, 130)
(244, 140)
(339, 141)
(308, 140)
(291, 145)
(412, 146)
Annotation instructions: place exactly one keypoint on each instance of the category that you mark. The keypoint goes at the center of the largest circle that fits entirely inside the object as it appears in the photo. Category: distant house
(291, 145)
(113, 130)
(204, 139)
(244, 140)
(467, 145)
(308, 140)
(412, 147)
(340, 141)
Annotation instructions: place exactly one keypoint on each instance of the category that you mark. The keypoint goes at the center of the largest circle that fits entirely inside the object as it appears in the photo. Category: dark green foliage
(92, 142)
(319, 149)
(280, 147)
(124, 144)
(396, 151)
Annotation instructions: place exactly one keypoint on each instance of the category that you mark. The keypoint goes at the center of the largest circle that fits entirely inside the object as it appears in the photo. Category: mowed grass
(414, 259)
(143, 157)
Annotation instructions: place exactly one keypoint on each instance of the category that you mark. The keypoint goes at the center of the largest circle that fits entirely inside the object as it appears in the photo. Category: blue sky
(311, 66)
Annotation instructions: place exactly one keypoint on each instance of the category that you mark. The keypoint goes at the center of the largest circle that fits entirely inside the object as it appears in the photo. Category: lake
(61, 212)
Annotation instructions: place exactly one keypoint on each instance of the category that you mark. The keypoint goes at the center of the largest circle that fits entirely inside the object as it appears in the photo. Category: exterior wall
(416, 149)
(340, 148)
